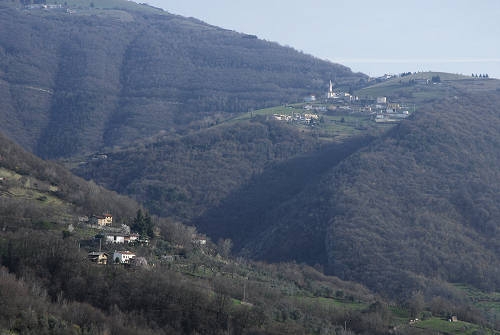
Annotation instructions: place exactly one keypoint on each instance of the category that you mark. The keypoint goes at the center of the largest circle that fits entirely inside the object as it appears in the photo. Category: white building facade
(123, 257)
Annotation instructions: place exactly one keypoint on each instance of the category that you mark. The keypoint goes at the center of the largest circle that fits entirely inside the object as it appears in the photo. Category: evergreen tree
(143, 225)
(139, 222)
(148, 226)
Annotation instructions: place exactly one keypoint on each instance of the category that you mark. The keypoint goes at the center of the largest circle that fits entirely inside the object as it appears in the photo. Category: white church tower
(331, 94)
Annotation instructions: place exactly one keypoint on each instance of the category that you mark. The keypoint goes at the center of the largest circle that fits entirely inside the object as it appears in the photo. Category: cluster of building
(306, 118)
(43, 6)
(120, 234)
(122, 238)
(332, 95)
(112, 234)
(117, 257)
(97, 221)
(46, 7)
(389, 112)
(380, 109)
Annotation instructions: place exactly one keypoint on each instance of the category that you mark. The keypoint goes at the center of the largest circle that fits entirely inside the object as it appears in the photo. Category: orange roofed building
(101, 220)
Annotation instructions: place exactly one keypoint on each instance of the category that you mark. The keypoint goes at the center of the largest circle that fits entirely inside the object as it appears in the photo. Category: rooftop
(125, 252)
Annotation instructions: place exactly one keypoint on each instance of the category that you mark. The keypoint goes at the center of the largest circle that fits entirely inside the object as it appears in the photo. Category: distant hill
(105, 73)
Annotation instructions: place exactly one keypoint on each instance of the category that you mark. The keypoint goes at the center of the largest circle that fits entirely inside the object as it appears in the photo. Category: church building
(331, 94)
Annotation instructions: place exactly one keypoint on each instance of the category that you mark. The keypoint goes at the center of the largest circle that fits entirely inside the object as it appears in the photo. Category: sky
(370, 36)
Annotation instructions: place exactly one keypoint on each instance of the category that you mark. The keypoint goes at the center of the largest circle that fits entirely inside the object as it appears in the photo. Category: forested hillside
(33, 190)
(150, 105)
(393, 210)
(186, 176)
(98, 76)
(419, 202)
(48, 285)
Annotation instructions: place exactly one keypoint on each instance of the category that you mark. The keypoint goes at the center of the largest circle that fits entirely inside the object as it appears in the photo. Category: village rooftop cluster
(380, 109)
(112, 235)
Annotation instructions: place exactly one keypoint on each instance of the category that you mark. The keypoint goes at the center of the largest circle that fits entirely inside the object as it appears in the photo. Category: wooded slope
(420, 201)
(186, 176)
(34, 190)
(101, 77)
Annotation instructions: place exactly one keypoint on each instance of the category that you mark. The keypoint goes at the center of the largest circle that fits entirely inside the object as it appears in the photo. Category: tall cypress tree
(148, 226)
(143, 225)
(139, 223)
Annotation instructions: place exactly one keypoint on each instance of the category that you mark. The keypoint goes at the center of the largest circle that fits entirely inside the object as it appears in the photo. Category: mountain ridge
(77, 83)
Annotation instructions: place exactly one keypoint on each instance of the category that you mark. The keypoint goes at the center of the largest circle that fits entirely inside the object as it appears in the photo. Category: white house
(199, 239)
(132, 238)
(115, 238)
(123, 257)
(311, 116)
(348, 97)
(382, 100)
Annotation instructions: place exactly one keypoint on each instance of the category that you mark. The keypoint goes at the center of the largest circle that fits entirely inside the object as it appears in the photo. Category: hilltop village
(379, 109)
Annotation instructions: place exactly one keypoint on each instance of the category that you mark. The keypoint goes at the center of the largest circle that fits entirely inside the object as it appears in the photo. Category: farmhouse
(132, 238)
(98, 257)
(199, 239)
(123, 257)
(114, 238)
(101, 220)
(311, 116)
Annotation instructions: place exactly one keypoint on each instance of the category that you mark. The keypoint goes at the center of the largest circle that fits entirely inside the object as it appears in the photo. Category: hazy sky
(371, 36)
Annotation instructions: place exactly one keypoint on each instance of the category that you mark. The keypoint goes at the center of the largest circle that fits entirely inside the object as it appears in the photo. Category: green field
(41, 195)
(334, 303)
(445, 327)
(286, 110)
(489, 302)
(450, 85)
(331, 127)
